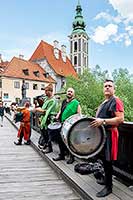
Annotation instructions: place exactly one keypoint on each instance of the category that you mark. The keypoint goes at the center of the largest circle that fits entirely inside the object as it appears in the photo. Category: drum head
(85, 141)
(54, 126)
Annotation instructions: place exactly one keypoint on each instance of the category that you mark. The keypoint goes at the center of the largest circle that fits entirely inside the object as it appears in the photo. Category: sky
(109, 25)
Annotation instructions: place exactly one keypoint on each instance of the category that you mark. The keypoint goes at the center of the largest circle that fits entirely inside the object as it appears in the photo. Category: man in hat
(47, 111)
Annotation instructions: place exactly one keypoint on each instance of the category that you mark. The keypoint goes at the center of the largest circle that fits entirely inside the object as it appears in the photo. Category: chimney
(56, 49)
(63, 52)
(1, 58)
(21, 56)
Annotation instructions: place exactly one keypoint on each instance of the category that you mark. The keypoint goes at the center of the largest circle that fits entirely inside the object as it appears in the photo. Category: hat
(49, 87)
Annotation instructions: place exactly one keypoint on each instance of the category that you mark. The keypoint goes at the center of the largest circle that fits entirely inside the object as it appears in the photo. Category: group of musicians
(110, 114)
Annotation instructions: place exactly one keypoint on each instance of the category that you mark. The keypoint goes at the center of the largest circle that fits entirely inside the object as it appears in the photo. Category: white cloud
(123, 19)
(124, 8)
(103, 34)
(109, 17)
(127, 41)
(129, 29)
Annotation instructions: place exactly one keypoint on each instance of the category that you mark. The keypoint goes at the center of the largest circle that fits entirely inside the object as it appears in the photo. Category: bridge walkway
(85, 185)
(25, 175)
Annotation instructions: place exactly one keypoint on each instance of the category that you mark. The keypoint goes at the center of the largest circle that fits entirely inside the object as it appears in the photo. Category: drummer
(110, 114)
(47, 111)
(69, 107)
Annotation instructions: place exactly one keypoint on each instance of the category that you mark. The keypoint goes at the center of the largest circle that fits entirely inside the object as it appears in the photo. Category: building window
(71, 47)
(79, 59)
(17, 100)
(85, 47)
(0, 83)
(17, 84)
(6, 96)
(35, 86)
(84, 61)
(75, 46)
(26, 72)
(42, 86)
(79, 44)
(46, 74)
(75, 60)
(27, 85)
(36, 73)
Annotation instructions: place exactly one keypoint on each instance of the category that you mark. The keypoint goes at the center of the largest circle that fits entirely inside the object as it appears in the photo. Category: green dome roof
(79, 23)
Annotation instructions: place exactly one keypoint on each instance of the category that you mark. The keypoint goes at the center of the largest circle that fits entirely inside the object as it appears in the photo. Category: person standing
(25, 128)
(47, 111)
(69, 107)
(1, 113)
(109, 114)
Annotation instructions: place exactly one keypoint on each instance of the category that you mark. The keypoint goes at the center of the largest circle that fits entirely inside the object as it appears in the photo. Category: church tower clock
(79, 42)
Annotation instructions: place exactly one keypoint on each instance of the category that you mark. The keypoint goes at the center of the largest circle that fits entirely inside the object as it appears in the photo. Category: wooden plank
(24, 175)
(85, 184)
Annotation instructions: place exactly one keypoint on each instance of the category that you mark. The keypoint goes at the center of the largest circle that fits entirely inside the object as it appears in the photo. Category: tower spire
(79, 42)
(78, 23)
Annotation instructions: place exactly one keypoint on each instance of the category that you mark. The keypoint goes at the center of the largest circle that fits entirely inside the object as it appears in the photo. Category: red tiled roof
(16, 66)
(45, 50)
(4, 64)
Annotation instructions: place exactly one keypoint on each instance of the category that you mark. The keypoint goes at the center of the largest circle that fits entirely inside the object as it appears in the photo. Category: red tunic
(107, 110)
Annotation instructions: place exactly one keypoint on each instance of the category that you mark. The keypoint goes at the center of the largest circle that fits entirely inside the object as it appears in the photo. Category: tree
(89, 89)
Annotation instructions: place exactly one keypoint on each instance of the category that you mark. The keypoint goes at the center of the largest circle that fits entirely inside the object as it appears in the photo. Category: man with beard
(69, 107)
(109, 114)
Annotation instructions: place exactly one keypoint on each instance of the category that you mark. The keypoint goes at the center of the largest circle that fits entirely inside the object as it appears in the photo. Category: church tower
(79, 42)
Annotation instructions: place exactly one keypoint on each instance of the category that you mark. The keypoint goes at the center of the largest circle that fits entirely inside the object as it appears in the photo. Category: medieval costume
(25, 128)
(107, 110)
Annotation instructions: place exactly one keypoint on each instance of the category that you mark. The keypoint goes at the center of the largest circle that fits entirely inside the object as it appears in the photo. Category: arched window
(75, 60)
(75, 46)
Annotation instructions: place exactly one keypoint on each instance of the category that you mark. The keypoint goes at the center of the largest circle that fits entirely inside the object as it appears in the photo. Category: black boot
(27, 142)
(71, 159)
(60, 157)
(104, 192)
(18, 143)
(48, 149)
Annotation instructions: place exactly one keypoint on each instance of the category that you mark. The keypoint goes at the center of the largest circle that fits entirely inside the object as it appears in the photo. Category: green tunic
(49, 106)
(71, 109)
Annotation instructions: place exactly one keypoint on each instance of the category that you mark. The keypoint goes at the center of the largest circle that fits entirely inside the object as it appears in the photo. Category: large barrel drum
(82, 140)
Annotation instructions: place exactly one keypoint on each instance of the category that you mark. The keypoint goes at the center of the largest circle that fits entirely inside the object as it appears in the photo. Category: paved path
(24, 175)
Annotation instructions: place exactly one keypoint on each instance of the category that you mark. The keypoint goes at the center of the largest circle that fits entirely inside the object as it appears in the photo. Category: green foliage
(124, 89)
(88, 92)
(89, 89)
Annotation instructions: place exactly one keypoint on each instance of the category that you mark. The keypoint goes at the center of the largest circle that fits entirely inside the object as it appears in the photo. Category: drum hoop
(58, 127)
(100, 146)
